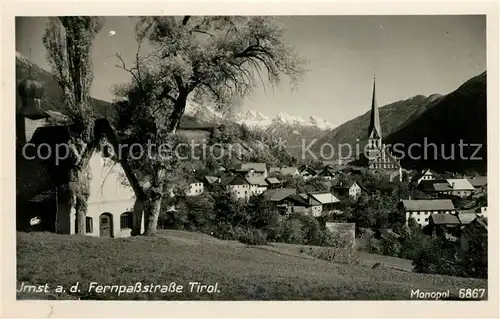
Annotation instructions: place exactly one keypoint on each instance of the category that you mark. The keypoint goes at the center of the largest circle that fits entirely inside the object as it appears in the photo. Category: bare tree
(210, 59)
(68, 41)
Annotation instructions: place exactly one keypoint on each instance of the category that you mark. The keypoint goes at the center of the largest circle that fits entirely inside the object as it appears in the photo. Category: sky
(410, 55)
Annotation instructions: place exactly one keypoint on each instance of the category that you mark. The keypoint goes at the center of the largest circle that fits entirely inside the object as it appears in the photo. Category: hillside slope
(459, 117)
(241, 272)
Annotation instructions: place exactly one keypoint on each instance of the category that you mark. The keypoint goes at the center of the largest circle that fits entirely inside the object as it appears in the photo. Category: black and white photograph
(251, 157)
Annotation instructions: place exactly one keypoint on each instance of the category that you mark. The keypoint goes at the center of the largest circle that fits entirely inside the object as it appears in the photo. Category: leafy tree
(208, 59)
(68, 41)
(261, 214)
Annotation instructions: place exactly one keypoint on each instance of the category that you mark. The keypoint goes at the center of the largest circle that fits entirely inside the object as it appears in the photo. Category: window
(418, 213)
(88, 225)
(126, 220)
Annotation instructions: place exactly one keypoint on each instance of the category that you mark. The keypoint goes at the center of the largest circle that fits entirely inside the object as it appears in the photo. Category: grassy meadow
(273, 272)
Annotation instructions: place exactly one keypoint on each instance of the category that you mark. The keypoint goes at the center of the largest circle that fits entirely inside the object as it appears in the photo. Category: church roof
(374, 117)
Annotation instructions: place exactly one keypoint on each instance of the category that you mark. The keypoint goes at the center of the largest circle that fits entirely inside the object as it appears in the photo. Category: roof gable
(278, 194)
(460, 184)
(324, 197)
(428, 205)
(258, 167)
(444, 219)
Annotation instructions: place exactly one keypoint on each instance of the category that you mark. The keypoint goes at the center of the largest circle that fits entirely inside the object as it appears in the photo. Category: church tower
(374, 131)
(31, 115)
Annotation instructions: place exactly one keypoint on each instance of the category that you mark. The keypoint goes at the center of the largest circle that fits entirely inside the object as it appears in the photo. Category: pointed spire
(374, 127)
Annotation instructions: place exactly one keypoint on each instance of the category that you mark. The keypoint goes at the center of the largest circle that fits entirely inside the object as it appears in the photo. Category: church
(378, 155)
(42, 175)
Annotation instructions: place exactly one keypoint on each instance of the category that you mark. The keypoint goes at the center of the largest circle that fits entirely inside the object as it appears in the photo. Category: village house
(326, 173)
(276, 197)
(289, 171)
(273, 182)
(447, 225)
(460, 187)
(237, 185)
(306, 172)
(349, 189)
(258, 185)
(423, 175)
(314, 207)
(195, 189)
(455, 187)
(422, 209)
(480, 183)
(252, 169)
(328, 201)
(295, 204)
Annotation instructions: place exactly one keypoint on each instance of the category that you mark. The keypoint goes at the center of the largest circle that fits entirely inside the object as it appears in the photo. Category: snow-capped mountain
(253, 119)
(256, 120)
(259, 120)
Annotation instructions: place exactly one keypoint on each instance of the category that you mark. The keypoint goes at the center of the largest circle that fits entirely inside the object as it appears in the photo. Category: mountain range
(442, 119)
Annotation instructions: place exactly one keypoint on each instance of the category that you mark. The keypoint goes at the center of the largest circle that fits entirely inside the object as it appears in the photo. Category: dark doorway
(106, 225)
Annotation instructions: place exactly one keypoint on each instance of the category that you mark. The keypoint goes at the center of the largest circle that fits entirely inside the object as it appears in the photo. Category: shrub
(251, 236)
(290, 232)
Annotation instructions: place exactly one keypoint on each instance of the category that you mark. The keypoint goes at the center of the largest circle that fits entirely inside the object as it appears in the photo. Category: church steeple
(374, 131)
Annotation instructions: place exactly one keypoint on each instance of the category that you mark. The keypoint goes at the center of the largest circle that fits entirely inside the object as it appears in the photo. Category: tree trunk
(153, 212)
(81, 213)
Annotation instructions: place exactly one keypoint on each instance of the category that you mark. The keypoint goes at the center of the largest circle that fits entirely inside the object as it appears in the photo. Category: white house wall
(109, 195)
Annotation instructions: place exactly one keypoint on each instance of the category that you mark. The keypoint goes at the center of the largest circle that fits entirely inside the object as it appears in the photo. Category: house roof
(466, 217)
(418, 174)
(258, 167)
(233, 180)
(274, 169)
(324, 197)
(478, 181)
(289, 170)
(312, 200)
(257, 180)
(460, 184)
(427, 204)
(444, 219)
(347, 185)
(442, 187)
(278, 194)
(298, 200)
(326, 172)
(308, 170)
(273, 180)
(42, 173)
(211, 179)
